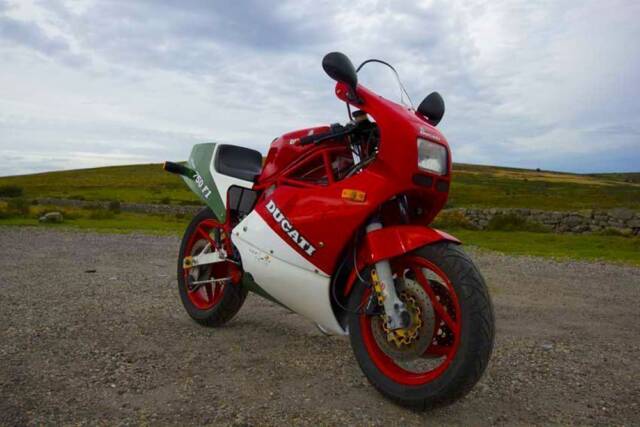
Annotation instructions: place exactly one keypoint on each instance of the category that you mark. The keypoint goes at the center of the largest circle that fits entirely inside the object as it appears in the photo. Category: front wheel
(445, 349)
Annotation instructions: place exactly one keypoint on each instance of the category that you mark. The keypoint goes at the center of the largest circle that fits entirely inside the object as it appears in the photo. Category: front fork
(397, 315)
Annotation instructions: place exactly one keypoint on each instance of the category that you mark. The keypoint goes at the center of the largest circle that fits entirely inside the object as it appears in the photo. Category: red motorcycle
(335, 226)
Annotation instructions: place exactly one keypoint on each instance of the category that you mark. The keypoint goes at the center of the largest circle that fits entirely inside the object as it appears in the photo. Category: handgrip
(310, 139)
(336, 131)
(179, 169)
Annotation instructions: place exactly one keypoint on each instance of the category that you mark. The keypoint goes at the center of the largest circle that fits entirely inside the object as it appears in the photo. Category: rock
(586, 213)
(572, 220)
(621, 213)
(625, 231)
(634, 223)
(52, 217)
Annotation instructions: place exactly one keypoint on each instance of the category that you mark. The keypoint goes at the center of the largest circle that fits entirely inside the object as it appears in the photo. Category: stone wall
(126, 207)
(624, 221)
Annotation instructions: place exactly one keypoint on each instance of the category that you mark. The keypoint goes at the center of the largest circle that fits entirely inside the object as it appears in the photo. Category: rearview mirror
(432, 107)
(339, 67)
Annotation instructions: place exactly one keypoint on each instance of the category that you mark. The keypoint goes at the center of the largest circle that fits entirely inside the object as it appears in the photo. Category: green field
(557, 246)
(139, 183)
(498, 187)
(121, 223)
(473, 186)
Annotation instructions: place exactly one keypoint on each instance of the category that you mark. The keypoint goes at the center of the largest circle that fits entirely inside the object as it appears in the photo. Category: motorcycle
(335, 227)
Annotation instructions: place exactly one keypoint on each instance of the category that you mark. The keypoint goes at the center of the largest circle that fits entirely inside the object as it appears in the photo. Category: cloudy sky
(549, 84)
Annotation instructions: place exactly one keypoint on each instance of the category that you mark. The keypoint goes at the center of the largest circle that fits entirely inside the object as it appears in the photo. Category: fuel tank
(284, 151)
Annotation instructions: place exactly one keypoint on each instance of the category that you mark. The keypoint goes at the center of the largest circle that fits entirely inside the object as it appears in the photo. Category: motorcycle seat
(238, 162)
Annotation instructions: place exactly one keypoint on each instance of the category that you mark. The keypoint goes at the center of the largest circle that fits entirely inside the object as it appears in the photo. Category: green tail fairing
(200, 160)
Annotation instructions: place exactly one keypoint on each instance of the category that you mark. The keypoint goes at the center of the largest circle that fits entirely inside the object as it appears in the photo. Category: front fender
(390, 242)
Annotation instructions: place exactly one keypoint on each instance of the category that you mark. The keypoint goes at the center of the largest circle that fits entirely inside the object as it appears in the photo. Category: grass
(558, 246)
(101, 220)
(625, 177)
(119, 225)
(494, 187)
(473, 186)
(138, 183)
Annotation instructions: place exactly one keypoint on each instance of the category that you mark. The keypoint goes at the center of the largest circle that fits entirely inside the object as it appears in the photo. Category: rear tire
(467, 355)
(219, 303)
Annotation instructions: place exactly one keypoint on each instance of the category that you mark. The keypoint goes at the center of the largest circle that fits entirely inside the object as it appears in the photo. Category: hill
(473, 186)
(492, 186)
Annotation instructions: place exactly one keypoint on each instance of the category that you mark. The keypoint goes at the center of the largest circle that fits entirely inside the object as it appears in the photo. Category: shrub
(610, 231)
(11, 191)
(513, 222)
(165, 201)
(102, 214)
(114, 206)
(453, 219)
(19, 206)
(70, 213)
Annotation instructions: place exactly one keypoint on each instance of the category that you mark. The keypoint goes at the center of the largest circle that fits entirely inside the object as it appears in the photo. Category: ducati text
(286, 226)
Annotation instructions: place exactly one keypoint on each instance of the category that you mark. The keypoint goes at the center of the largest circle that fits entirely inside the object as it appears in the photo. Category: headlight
(432, 157)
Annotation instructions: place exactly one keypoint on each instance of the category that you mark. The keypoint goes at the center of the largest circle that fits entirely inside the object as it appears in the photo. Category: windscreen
(383, 79)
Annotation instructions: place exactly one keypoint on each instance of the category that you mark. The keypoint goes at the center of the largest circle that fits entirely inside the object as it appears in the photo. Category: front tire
(211, 304)
(446, 353)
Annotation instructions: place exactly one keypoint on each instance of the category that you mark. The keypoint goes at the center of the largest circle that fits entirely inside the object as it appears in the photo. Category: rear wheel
(217, 300)
(442, 354)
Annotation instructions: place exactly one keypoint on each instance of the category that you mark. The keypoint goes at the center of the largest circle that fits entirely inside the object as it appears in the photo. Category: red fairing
(318, 211)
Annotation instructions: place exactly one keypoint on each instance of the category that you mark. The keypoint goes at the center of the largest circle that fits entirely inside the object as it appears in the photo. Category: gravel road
(114, 346)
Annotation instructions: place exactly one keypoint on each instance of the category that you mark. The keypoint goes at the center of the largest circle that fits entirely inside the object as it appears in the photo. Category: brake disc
(411, 342)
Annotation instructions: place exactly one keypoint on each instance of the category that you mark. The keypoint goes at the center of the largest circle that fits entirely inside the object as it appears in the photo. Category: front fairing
(321, 213)
(400, 127)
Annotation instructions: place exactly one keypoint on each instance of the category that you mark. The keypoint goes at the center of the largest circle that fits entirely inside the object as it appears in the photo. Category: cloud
(531, 84)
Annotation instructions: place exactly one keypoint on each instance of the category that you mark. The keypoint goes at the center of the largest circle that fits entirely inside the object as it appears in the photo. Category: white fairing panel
(223, 182)
(284, 273)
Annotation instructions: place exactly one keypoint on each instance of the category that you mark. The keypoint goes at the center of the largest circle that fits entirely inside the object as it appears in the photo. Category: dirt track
(115, 346)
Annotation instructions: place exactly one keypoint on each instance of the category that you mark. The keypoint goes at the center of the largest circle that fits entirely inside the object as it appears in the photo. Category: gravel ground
(115, 346)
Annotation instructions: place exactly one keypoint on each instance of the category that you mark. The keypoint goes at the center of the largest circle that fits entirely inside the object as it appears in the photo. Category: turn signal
(353, 195)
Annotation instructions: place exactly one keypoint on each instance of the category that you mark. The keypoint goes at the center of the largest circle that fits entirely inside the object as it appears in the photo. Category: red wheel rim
(208, 295)
(385, 363)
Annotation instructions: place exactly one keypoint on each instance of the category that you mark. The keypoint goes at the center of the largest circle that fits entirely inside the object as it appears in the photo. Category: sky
(536, 84)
